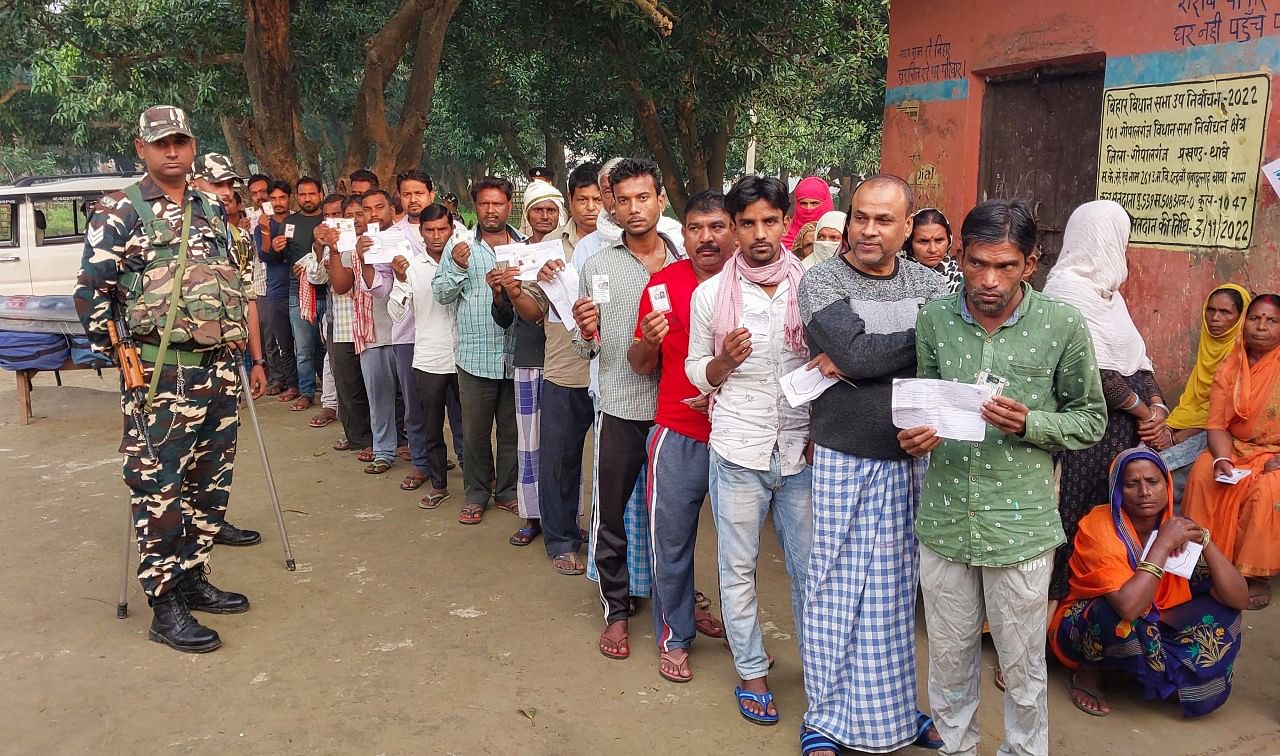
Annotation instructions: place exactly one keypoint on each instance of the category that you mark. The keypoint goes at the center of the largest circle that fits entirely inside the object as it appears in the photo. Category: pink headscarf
(728, 315)
(809, 188)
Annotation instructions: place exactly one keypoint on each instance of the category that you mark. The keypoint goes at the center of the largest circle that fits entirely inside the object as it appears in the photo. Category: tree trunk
(512, 142)
(720, 151)
(235, 151)
(309, 150)
(273, 89)
(415, 114)
(555, 160)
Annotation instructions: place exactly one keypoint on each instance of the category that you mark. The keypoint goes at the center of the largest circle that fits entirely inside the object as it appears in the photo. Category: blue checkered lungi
(859, 615)
(528, 383)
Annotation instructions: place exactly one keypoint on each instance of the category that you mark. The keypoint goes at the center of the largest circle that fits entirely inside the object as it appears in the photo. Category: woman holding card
(1126, 611)
(1244, 434)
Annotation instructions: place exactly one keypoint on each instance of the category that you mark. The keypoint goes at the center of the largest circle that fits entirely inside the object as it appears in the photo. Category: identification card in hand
(373, 229)
(756, 322)
(404, 249)
(268, 209)
(290, 230)
(994, 384)
(600, 289)
(659, 298)
(1237, 474)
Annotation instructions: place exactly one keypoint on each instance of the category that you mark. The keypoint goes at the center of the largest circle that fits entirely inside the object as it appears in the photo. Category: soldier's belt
(175, 356)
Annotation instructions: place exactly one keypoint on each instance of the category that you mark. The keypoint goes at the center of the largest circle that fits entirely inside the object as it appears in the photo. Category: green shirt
(993, 504)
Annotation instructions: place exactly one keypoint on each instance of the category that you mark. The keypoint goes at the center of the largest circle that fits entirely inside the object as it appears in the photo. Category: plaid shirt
(623, 393)
(484, 349)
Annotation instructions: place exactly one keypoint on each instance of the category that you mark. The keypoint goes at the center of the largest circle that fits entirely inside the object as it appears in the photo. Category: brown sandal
(471, 514)
(413, 481)
(289, 395)
(304, 403)
(615, 648)
(680, 666)
(323, 418)
(365, 454)
(568, 564)
(342, 445)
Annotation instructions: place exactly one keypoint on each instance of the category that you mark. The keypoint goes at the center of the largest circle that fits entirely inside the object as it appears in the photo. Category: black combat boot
(230, 535)
(176, 628)
(201, 595)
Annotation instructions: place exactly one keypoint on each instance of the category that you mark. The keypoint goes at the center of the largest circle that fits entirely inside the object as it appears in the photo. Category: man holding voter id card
(988, 521)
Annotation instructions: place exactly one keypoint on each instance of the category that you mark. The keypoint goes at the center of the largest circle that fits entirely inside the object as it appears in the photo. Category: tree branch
(14, 89)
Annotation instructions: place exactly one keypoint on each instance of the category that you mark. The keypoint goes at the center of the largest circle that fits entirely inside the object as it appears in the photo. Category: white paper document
(1182, 564)
(529, 258)
(386, 246)
(1237, 474)
(562, 293)
(346, 228)
(953, 410)
(1272, 172)
(803, 385)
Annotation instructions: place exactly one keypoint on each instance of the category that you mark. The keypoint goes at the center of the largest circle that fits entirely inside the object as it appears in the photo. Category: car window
(60, 220)
(8, 222)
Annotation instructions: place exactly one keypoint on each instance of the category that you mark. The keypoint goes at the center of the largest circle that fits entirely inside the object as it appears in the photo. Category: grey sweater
(866, 325)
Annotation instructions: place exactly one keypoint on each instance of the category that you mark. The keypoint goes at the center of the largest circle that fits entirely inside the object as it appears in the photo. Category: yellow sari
(1193, 407)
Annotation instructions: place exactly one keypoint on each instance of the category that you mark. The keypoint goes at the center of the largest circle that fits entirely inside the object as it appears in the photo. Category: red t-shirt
(674, 385)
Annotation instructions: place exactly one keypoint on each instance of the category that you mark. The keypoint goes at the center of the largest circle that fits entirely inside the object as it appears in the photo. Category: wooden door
(1040, 143)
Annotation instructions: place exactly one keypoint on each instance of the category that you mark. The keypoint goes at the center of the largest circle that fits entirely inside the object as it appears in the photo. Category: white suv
(42, 223)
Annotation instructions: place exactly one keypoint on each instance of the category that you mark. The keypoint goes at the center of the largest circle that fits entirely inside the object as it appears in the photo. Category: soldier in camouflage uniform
(136, 243)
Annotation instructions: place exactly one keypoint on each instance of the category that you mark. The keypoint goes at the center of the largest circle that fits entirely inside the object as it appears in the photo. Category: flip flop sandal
(342, 445)
(923, 724)
(999, 679)
(1072, 688)
(403, 453)
(378, 467)
(451, 465)
(275, 389)
(619, 644)
(471, 514)
(764, 699)
(413, 481)
(524, 536)
(568, 564)
(303, 403)
(709, 626)
(812, 741)
(700, 599)
(665, 656)
(289, 395)
(433, 499)
(508, 506)
(365, 454)
(323, 418)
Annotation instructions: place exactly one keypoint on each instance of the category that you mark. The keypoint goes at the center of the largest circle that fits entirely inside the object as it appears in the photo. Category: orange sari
(1243, 519)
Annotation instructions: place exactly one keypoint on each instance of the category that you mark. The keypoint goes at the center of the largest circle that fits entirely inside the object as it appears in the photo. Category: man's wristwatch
(260, 363)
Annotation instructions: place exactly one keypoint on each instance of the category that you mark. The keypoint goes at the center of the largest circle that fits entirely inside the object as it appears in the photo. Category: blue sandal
(923, 723)
(764, 699)
(812, 741)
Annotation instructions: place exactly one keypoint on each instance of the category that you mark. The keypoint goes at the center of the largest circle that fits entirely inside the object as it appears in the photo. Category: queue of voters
(1095, 523)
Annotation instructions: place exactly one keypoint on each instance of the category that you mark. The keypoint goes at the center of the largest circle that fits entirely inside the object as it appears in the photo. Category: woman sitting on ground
(1221, 323)
(1244, 434)
(1124, 613)
(828, 238)
(930, 245)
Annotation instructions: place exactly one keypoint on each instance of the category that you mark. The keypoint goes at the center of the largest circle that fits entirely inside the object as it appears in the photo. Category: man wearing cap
(159, 256)
(215, 175)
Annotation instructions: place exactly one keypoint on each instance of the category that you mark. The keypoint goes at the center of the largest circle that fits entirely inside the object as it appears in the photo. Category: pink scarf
(728, 314)
(809, 188)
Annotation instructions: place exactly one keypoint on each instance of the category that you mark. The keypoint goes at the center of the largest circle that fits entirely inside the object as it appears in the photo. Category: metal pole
(130, 545)
(266, 464)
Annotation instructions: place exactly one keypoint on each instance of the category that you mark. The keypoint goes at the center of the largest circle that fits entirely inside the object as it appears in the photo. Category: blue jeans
(741, 499)
(378, 366)
(308, 350)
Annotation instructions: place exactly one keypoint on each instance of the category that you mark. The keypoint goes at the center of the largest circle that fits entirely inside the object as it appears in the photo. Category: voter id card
(600, 289)
(373, 228)
(756, 322)
(994, 384)
(290, 230)
(659, 298)
(268, 209)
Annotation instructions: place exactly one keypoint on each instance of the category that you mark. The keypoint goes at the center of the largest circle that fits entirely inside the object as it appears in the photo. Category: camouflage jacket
(117, 246)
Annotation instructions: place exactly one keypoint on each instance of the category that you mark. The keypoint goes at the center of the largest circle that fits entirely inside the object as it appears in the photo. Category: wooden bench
(24, 387)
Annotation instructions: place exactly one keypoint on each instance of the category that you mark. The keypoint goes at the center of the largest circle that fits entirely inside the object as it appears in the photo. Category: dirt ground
(403, 632)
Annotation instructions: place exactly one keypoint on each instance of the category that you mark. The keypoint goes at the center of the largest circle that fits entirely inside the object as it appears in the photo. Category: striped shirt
(484, 349)
(623, 393)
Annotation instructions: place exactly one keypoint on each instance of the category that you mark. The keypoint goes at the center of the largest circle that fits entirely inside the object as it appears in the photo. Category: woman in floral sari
(1123, 613)
(1244, 434)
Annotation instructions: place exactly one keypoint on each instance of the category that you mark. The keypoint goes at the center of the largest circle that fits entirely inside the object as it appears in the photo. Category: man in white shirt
(435, 339)
(746, 334)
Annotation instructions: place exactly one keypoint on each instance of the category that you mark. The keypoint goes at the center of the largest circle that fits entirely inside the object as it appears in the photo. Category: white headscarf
(541, 191)
(833, 219)
(1088, 275)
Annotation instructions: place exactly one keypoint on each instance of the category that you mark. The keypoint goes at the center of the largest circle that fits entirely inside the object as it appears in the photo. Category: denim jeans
(740, 500)
(378, 366)
(308, 350)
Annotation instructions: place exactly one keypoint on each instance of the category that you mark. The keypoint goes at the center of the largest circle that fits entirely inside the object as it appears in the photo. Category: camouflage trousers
(179, 500)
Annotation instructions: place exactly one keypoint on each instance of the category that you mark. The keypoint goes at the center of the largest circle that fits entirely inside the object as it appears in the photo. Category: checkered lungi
(639, 549)
(528, 421)
(859, 615)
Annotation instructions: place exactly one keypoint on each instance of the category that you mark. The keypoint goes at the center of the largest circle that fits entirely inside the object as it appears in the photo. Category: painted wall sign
(1183, 158)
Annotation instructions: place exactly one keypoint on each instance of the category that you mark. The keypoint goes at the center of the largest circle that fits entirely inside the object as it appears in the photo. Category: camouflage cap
(215, 167)
(162, 120)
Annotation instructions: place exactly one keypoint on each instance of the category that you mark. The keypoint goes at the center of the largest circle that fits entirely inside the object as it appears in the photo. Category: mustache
(708, 247)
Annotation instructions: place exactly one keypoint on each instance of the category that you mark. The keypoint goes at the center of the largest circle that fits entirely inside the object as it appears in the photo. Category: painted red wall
(1140, 42)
